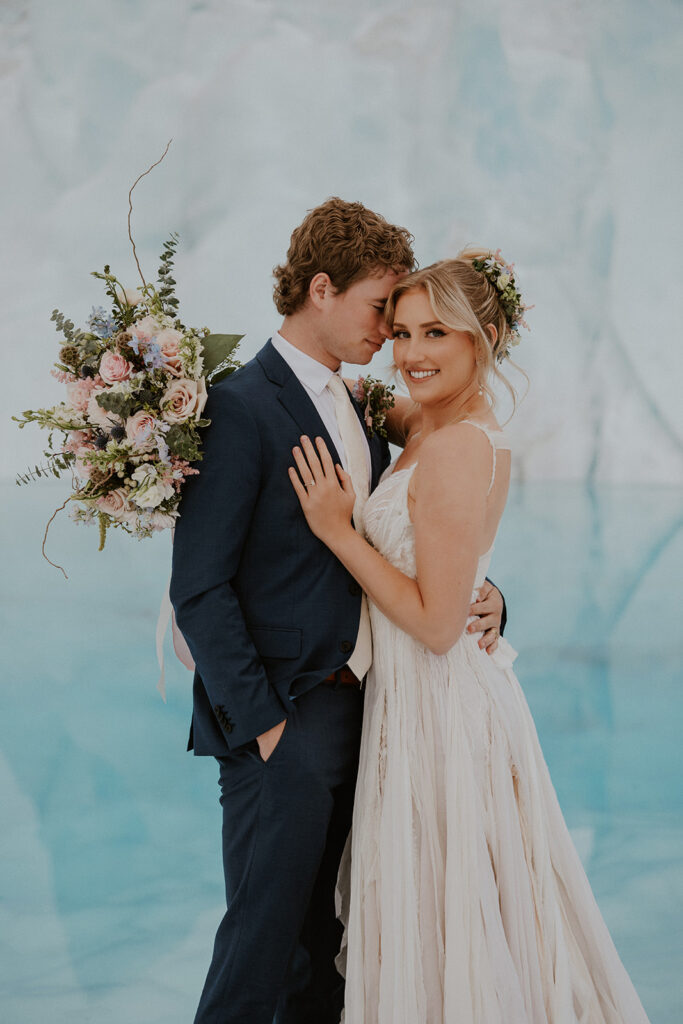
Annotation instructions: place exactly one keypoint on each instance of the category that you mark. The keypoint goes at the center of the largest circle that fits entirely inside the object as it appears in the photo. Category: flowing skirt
(463, 896)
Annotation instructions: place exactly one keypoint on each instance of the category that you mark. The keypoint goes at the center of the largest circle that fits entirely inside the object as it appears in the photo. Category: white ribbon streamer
(180, 647)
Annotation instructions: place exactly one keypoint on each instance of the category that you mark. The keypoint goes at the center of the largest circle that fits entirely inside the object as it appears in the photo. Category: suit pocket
(275, 642)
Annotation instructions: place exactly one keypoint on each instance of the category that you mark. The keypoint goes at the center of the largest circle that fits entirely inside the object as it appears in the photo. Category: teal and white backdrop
(545, 127)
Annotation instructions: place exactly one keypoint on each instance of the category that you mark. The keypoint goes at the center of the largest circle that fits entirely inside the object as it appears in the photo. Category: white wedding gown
(464, 901)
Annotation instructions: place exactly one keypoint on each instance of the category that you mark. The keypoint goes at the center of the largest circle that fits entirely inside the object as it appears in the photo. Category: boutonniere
(376, 398)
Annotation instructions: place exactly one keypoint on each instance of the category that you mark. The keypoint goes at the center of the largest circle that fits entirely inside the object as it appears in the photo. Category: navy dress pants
(285, 822)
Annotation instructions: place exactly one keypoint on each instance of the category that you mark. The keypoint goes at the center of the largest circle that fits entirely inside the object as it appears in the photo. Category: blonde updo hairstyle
(464, 299)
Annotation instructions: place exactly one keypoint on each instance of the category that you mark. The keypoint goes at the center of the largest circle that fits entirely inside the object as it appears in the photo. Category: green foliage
(166, 289)
(146, 396)
(123, 313)
(48, 419)
(217, 352)
(67, 328)
(58, 462)
(120, 405)
(183, 440)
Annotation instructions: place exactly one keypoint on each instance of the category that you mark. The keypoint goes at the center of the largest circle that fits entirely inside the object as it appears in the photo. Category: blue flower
(100, 323)
(164, 455)
(97, 313)
(152, 355)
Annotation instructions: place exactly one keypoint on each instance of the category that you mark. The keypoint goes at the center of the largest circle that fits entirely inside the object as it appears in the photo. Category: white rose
(132, 296)
(151, 490)
(183, 400)
(503, 281)
(130, 517)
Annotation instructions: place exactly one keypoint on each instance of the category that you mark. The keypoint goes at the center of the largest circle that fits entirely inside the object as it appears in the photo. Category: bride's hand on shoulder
(325, 491)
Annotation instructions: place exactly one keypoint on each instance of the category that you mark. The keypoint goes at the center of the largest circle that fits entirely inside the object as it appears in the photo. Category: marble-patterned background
(546, 127)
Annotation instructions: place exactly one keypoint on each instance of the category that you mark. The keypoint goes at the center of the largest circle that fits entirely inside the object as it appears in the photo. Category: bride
(467, 903)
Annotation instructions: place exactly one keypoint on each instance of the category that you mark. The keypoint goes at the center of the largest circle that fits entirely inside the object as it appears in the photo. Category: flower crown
(502, 277)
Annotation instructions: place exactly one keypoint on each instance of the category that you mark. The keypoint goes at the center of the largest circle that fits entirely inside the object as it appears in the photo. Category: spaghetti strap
(492, 436)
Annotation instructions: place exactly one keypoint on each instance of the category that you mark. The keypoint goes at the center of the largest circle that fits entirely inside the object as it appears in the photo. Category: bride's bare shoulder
(453, 454)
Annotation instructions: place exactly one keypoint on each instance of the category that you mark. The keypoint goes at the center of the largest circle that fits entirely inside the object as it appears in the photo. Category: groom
(278, 628)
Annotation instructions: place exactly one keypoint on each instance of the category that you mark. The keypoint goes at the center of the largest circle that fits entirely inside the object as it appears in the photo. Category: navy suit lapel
(376, 459)
(293, 397)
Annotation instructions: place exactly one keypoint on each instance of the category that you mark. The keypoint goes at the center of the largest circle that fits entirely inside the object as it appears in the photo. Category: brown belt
(343, 676)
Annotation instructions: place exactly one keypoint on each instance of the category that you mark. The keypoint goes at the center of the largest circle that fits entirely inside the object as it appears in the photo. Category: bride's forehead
(414, 304)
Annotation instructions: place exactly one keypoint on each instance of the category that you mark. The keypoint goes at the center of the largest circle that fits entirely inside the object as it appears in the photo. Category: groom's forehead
(377, 284)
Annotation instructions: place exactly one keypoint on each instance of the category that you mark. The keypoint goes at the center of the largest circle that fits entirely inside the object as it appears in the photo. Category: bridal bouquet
(136, 386)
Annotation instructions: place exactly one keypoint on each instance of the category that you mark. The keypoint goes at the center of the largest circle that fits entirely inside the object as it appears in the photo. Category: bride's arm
(401, 418)
(450, 500)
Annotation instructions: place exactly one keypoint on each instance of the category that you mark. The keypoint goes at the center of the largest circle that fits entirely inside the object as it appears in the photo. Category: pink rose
(79, 394)
(83, 467)
(168, 341)
(113, 503)
(113, 368)
(140, 428)
(77, 440)
(145, 329)
(183, 400)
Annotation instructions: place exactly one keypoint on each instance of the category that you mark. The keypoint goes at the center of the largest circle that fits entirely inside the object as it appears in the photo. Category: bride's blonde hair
(464, 299)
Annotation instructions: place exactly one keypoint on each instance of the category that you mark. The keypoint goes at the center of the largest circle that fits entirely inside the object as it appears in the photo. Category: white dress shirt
(313, 376)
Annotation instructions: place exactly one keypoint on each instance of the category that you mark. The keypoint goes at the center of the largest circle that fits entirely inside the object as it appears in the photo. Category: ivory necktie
(356, 464)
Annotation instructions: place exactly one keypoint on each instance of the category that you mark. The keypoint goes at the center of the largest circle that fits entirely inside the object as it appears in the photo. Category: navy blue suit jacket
(267, 610)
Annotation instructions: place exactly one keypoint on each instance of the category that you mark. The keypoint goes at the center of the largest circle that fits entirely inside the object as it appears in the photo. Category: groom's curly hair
(344, 240)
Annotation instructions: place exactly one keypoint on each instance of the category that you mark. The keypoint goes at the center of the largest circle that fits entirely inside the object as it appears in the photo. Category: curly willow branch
(49, 523)
(130, 206)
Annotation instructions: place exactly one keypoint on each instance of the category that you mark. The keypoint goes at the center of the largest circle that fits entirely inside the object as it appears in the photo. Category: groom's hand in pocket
(268, 741)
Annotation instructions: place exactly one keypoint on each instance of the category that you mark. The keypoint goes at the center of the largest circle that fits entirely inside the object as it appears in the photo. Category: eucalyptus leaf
(120, 405)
